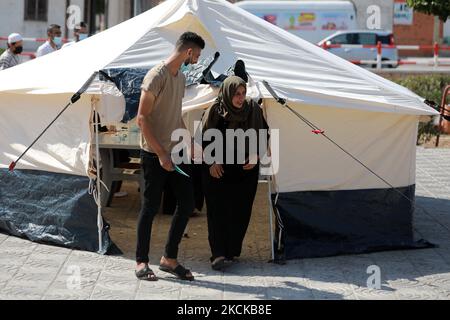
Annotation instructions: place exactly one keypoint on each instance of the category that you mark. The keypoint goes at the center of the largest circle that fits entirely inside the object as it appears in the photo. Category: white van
(310, 20)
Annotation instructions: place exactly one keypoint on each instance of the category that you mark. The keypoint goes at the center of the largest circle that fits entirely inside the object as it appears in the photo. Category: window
(346, 38)
(385, 39)
(340, 39)
(96, 13)
(36, 10)
(368, 38)
(353, 38)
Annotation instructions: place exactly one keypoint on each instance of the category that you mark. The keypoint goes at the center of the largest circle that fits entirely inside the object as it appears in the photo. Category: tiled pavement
(34, 271)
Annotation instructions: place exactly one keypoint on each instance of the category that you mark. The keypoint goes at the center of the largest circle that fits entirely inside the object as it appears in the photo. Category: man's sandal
(146, 274)
(180, 272)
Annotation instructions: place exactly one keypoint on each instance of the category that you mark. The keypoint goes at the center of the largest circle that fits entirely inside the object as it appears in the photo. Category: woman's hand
(196, 152)
(252, 162)
(216, 171)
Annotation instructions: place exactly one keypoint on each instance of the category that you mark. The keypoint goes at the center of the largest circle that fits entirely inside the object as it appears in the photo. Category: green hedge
(1, 50)
(430, 87)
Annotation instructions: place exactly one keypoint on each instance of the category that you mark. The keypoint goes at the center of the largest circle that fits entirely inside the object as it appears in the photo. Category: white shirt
(46, 48)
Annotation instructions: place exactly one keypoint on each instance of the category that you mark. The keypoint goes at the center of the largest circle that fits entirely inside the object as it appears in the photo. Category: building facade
(31, 18)
(415, 28)
(370, 13)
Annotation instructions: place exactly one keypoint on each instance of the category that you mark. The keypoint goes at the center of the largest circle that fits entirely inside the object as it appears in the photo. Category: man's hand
(216, 171)
(166, 162)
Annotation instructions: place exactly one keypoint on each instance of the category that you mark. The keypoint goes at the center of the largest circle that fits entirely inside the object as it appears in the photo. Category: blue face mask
(82, 36)
(58, 41)
(184, 68)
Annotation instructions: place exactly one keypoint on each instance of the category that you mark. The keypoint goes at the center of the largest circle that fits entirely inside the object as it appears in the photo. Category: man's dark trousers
(155, 180)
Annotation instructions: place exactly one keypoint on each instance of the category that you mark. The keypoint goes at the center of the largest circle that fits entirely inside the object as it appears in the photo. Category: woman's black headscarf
(250, 116)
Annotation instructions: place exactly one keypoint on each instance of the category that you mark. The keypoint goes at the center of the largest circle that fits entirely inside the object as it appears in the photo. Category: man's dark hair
(52, 27)
(189, 40)
(80, 25)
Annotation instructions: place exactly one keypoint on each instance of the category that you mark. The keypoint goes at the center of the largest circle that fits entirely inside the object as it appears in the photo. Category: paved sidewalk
(33, 271)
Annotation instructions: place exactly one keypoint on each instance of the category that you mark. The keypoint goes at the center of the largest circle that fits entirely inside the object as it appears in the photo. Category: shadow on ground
(404, 274)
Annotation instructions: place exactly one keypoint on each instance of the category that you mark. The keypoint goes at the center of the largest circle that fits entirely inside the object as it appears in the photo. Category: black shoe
(239, 70)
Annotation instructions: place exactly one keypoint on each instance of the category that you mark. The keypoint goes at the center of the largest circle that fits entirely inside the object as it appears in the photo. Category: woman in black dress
(230, 188)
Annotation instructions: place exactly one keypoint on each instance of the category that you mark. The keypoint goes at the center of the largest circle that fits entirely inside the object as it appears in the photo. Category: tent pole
(99, 195)
(271, 213)
(271, 218)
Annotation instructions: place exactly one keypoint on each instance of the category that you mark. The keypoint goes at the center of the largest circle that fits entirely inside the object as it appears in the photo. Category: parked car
(309, 20)
(362, 37)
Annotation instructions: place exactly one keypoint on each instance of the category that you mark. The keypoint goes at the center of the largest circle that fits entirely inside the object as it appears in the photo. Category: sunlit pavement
(34, 271)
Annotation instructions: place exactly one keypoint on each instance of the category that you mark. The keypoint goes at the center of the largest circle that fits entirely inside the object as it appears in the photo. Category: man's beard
(188, 61)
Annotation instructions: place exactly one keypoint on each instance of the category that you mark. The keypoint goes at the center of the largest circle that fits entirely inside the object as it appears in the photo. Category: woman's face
(239, 97)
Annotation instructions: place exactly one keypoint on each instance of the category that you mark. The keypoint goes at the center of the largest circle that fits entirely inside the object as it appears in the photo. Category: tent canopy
(295, 67)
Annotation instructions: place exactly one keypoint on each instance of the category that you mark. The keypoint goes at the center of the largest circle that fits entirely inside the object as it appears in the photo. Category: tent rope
(318, 131)
(93, 189)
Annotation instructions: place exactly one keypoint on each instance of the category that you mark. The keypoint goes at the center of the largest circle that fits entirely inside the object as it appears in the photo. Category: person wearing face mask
(159, 115)
(10, 57)
(53, 42)
(80, 33)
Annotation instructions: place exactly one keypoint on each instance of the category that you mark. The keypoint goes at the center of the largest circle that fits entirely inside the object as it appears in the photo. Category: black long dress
(229, 202)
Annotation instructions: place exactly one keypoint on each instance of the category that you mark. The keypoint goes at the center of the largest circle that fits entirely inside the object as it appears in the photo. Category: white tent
(373, 118)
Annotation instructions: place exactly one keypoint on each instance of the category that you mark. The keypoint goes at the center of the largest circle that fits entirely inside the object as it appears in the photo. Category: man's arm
(5, 63)
(146, 105)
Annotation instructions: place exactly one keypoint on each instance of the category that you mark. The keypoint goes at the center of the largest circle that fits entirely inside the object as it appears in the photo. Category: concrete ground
(34, 271)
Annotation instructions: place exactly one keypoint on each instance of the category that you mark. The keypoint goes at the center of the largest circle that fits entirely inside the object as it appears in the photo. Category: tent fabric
(326, 223)
(385, 142)
(370, 116)
(64, 148)
(50, 207)
(292, 65)
(296, 71)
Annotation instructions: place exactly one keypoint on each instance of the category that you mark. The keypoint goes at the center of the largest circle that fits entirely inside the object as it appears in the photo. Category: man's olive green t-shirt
(166, 116)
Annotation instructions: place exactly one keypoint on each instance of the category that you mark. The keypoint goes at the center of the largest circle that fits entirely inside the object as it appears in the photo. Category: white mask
(82, 36)
(57, 41)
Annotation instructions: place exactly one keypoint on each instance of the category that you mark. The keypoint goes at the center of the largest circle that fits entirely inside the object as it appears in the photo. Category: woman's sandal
(146, 274)
(218, 264)
(180, 272)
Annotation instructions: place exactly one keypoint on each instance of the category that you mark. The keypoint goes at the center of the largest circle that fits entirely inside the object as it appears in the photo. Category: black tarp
(129, 81)
(328, 223)
(50, 208)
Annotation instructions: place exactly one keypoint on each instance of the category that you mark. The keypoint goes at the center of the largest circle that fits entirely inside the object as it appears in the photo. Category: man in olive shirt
(159, 115)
